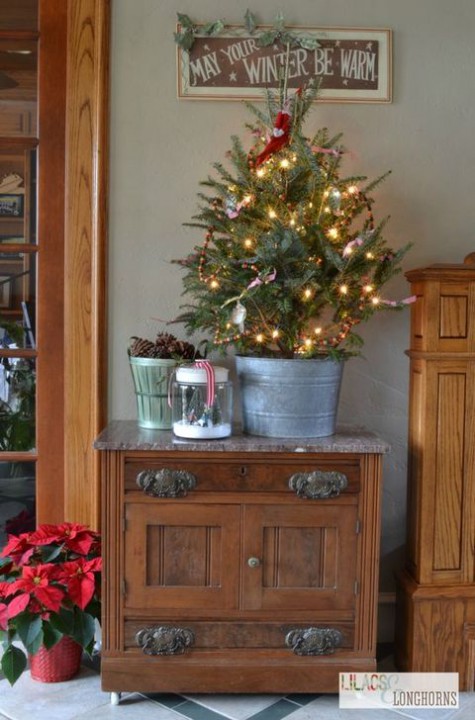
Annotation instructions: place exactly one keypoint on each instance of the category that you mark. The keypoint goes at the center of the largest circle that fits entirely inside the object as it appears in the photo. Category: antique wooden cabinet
(436, 593)
(238, 565)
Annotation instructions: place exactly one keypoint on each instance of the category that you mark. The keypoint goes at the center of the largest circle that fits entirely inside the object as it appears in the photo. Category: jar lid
(195, 375)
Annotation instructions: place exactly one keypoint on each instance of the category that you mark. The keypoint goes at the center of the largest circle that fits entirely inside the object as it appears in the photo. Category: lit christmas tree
(292, 259)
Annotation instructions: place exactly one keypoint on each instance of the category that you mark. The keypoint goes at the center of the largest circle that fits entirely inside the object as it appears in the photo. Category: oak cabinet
(241, 565)
(436, 590)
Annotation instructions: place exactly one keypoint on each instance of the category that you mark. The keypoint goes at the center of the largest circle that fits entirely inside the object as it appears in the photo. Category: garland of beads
(219, 342)
(370, 218)
(338, 338)
(333, 341)
(202, 261)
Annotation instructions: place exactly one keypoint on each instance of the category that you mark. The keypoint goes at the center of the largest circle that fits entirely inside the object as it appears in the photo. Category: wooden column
(85, 252)
(436, 593)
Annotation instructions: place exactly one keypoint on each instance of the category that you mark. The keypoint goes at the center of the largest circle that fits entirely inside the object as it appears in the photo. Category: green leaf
(30, 631)
(279, 21)
(213, 28)
(84, 628)
(308, 43)
(267, 38)
(288, 38)
(250, 21)
(49, 553)
(13, 663)
(94, 608)
(50, 635)
(184, 20)
(185, 39)
(63, 621)
(4, 561)
(89, 648)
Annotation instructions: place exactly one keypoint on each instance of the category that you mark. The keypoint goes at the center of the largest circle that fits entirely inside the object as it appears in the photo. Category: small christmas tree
(293, 259)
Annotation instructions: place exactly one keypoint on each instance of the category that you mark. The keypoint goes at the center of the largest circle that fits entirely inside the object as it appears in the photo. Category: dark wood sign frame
(353, 65)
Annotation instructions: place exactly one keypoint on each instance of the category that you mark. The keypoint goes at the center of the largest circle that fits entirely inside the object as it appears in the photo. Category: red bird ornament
(280, 136)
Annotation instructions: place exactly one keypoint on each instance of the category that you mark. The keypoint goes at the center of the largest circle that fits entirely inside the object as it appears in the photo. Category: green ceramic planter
(151, 377)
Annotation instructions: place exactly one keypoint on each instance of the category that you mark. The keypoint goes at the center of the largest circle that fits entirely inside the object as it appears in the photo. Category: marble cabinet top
(127, 435)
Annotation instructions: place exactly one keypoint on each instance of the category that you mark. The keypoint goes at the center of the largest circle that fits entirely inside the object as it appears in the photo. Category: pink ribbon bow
(233, 213)
(348, 247)
(395, 303)
(260, 281)
(326, 151)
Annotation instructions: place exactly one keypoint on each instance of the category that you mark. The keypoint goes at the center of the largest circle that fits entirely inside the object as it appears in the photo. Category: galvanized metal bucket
(151, 378)
(289, 398)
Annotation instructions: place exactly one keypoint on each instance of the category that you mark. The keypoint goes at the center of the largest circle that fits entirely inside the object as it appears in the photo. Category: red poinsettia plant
(50, 587)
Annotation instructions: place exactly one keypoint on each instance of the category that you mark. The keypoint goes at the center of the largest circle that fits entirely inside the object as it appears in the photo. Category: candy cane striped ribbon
(210, 380)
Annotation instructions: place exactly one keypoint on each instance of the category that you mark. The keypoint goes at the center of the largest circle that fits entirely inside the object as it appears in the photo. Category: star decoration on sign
(206, 47)
(369, 46)
(233, 77)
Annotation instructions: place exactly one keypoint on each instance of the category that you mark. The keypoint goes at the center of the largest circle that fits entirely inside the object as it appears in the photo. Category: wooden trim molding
(87, 110)
(50, 271)
(469, 649)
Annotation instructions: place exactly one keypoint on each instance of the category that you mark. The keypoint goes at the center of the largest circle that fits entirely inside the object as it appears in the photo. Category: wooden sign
(352, 65)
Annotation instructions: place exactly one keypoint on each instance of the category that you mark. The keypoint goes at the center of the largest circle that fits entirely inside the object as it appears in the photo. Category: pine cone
(166, 345)
(141, 347)
(186, 350)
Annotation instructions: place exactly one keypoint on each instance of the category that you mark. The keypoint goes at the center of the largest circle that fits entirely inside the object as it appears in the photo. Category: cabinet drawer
(244, 475)
(239, 635)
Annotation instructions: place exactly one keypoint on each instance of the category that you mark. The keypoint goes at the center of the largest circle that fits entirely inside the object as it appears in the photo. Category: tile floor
(82, 698)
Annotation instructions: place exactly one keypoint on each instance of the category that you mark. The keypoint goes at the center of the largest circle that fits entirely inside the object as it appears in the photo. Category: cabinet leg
(115, 698)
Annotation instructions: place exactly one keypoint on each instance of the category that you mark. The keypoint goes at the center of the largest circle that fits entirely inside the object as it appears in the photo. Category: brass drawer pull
(314, 641)
(318, 485)
(164, 640)
(166, 482)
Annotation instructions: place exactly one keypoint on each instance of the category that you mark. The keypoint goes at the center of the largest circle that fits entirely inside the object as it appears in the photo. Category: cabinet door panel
(178, 556)
(306, 557)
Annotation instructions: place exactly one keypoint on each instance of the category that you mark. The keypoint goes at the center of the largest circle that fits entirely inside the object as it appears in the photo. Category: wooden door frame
(52, 21)
(85, 262)
(72, 188)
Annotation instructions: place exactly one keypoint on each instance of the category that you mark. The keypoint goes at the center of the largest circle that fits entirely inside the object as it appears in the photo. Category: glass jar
(202, 402)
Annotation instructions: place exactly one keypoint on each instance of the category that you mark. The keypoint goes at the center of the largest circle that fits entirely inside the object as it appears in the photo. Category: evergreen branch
(265, 120)
(374, 184)
(225, 174)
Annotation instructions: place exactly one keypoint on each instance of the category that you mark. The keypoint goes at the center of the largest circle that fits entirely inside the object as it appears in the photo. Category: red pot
(60, 663)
